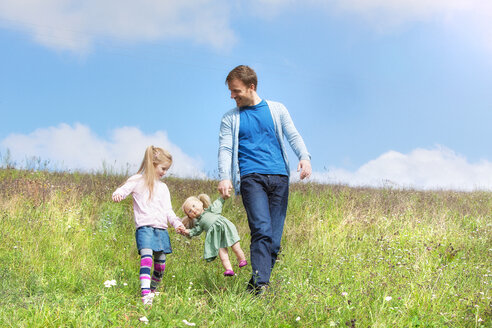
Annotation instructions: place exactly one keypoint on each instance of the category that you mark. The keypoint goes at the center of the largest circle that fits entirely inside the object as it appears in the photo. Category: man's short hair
(244, 74)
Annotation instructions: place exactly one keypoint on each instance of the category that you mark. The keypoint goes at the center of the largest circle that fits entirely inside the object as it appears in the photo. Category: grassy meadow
(351, 257)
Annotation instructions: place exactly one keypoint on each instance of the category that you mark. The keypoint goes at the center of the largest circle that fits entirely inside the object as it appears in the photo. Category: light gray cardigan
(229, 140)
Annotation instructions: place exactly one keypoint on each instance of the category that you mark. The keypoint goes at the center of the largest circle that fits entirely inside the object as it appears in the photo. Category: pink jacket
(155, 212)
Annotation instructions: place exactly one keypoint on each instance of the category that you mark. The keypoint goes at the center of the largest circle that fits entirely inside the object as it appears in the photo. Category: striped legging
(149, 283)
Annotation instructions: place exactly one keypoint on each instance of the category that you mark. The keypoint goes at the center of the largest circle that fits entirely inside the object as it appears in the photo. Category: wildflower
(388, 298)
(344, 294)
(109, 283)
(186, 322)
(298, 318)
(332, 323)
(480, 320)
(125, 284)
(144, 320)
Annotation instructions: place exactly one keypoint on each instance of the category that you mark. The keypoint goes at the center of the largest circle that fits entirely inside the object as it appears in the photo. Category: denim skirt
(154, 238)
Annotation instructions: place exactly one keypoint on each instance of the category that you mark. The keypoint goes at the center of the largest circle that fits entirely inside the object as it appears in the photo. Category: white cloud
(439, 168)
(398, 11)
(75, 25)
(385, 11)
(470, 19)
(78, 148)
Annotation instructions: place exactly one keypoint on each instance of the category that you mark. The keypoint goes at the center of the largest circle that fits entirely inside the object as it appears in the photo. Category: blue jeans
(265, 199)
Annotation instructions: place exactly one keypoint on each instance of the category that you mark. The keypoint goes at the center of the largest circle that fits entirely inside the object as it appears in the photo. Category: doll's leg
(159, 266)
(224, 257)
(236, 248)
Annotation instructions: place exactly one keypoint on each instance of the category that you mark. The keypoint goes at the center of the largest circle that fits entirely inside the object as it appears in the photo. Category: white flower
(109, 283)
(188, 323)
(298, 318)
(125, 284)
(332, 323)
(388, 298)
(344, 294)
(145, 320)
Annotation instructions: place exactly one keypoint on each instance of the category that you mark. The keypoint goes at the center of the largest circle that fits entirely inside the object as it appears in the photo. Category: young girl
(153, 211)
(221, 233)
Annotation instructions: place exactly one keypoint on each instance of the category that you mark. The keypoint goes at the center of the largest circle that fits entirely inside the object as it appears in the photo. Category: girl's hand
(180, 229)
(117, 198)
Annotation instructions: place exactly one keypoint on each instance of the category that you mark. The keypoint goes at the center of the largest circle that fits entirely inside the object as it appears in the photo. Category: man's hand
(305, 168)
(224, 188)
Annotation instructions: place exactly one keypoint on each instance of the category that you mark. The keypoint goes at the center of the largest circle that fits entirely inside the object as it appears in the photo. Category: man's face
(243, 95)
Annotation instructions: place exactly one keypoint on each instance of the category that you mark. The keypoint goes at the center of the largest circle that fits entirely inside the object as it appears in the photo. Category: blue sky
(383, 92)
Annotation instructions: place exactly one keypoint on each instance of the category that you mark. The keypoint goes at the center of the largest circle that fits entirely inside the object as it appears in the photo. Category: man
(253, 161)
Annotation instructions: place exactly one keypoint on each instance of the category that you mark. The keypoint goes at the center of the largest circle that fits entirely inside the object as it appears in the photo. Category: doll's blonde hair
(204, 199)
(153, 157)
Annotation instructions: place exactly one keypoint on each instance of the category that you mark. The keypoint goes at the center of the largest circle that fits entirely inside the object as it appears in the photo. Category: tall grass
(351, 257)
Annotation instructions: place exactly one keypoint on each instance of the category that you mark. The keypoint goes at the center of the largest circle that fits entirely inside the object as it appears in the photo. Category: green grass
(351, 257)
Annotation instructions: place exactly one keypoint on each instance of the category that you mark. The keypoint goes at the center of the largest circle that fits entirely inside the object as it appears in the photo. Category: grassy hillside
(351, 257)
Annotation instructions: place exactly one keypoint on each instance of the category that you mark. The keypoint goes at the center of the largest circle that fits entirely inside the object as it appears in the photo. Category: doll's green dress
(221, 233)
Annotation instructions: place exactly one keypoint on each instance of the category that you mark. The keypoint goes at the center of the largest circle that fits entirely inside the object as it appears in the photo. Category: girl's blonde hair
(204, 199)
(153, 157)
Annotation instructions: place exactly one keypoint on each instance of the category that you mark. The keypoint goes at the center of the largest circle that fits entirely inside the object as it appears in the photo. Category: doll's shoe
(243, 263)
(228, 273)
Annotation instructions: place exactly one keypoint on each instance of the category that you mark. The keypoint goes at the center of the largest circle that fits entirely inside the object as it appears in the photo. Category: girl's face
(193, 208)
(160, 170)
